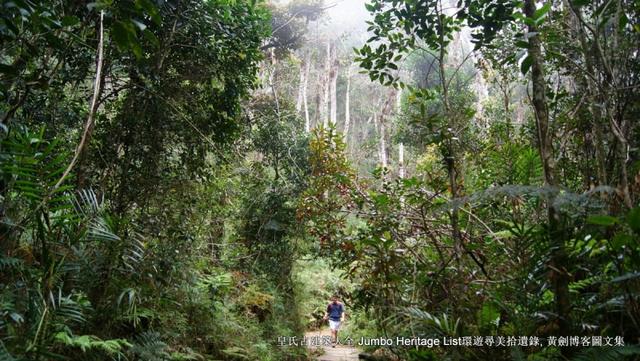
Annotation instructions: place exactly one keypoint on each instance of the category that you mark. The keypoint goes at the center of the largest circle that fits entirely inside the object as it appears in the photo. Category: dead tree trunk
(325, 87)
(383, 144)
(333, 86)
(386, 111)
(347, 105)
(301, 82)
(305, 103)
(317, 116)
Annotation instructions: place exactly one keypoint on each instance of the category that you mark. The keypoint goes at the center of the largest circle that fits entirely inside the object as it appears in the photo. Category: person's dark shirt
(335, 310)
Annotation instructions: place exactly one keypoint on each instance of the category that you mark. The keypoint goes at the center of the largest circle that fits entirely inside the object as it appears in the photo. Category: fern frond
(237, 352)
(187, 356)
(8, 263)
(91, 342)
(150, 347)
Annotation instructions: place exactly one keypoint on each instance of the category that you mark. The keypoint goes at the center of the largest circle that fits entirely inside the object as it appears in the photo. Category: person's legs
(332, 326)
(335, 326)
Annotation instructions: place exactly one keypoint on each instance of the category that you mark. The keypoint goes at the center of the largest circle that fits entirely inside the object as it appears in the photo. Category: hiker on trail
(335, 314)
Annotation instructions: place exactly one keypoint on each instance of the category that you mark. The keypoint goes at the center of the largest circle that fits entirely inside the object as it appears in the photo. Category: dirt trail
(339, 353)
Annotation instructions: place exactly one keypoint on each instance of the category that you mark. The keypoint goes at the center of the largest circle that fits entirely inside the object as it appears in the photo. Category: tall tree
(347, 105)
(333, 85)
(559, 274)
(325, 79)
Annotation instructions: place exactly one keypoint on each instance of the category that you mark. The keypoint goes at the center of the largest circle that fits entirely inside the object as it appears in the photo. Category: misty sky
(348, 13)
(343, 16)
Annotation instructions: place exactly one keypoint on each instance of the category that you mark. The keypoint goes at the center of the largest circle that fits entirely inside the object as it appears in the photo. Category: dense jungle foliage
(193, 179)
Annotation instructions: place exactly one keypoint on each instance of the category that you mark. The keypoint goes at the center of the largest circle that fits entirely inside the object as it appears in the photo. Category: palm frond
(87, 203)
(134, 252)
(66, 308)
(100, 231)
(442, 325)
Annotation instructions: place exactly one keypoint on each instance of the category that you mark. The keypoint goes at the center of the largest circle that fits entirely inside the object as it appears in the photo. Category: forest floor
(327, 353)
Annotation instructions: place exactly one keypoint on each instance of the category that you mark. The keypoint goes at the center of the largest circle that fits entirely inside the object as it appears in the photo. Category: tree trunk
(301, 83)
(318, 100)
(347, 105)
(333, 86)
(386, 111)
(592, 87)
(401, 161)
(401, 145)
(325, 87)
(558, 275)
(383, 144)
(450, 156)
(507, 112)
(307, 122)
(376, 128)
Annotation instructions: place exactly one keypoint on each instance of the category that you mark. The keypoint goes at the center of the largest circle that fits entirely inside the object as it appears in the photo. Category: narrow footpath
(338, 353)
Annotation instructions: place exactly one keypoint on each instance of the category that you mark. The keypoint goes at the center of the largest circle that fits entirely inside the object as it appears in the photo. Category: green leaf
(633, 219)
(622, 240)
(542, 11)
(626, 277)
(121, 35)
(489, 316)
(529, 21)
(139, 24)
(526, 64)
(624, 20)
(151, 9)
(602, 220)
(381, 200)
(151, 38)
(68, 21)
(137, 50)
